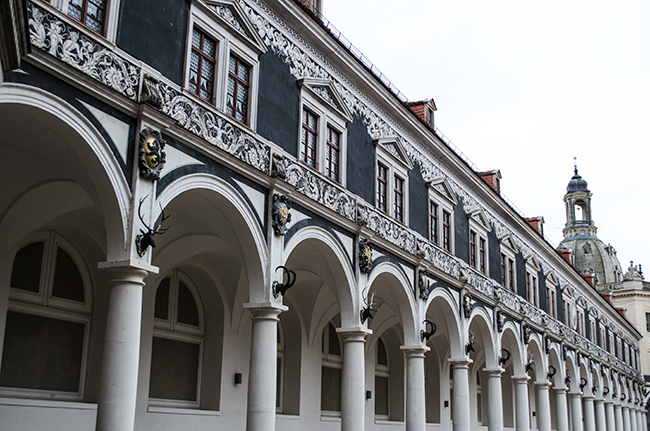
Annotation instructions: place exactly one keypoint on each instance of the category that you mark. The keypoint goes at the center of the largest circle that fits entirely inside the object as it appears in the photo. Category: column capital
(415, 351)
(356, 334)
(575, 394)
(588, 397)
(265, 310)
(128, 265)
(494, 372)
(459, 362)
(520, 379)
(543, 385)
(561, 389)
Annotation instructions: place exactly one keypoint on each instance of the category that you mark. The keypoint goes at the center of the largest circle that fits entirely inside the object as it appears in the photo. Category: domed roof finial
(575, 165)
(576, 183)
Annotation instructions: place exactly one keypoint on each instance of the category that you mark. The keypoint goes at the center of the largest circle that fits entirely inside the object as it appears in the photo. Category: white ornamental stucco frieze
(315, 187)
(387, 229)
(55, 37)
(438, 258)
(214, 129)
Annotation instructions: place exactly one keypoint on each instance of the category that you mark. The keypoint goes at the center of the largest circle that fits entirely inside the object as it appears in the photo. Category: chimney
(493, 179)
(424, 109)
(622, 311)
(536, 223)
(591, 279)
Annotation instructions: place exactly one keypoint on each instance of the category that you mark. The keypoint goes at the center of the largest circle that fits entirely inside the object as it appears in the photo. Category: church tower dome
(590, 254)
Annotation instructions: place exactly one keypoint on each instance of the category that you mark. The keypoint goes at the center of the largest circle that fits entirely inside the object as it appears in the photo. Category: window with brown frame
(503, 269)
(482, 255)
(433, 216)
(511, 275)
(332, 154)
(202, 65)
(399, 199)
(309, 137)
(238, 89)
(382, 183)
(91, 13)
(446, 230)
(472, 248)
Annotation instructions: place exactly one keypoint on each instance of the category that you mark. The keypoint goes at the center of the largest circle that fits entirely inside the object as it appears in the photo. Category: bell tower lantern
(577, 200)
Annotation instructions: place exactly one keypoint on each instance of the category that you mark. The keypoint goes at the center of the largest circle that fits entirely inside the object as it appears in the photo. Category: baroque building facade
(215, 216)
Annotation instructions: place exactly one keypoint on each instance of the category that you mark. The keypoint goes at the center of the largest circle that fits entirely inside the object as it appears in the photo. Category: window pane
(67, 278)
(334, 347)
(187, 311)
(162, 300)
(382, 358)
(381, 396)
(26, 272)
(174, 370)
(330, 389)
(42, 353)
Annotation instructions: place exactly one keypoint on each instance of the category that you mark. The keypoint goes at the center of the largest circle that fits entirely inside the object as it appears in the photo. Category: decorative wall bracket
(425, 284)
(467, 305)
(365, 256)
(280, 215)
(144, 240)
(152, 156)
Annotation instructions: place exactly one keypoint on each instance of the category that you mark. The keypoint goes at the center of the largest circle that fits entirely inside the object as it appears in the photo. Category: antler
(159, 229)
(140, 212)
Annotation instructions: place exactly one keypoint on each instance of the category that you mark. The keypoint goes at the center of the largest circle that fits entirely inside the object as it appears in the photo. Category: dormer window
(392, 178)
(478, 229)
(222, 67)
(442, 200)
(323, 137)
(507, 263)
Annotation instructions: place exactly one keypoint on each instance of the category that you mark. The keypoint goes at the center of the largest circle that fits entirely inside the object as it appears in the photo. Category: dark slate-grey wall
(494, 254)
(520, 265)
(541, 286)
(155, 31)
(361, 161)
(278, 116)
(461, 226)
(418, 202)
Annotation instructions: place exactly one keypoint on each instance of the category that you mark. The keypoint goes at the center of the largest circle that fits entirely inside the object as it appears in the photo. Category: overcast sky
(524, 87)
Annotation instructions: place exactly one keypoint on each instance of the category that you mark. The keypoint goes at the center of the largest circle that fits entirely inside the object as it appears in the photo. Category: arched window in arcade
(382, 382)
(48, 321)
(332, 365)
(177, 348)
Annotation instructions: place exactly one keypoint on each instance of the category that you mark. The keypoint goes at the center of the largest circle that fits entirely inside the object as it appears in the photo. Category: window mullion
(48, 268)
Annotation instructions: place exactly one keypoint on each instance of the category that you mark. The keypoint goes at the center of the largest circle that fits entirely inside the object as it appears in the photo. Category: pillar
(610, 416)
(588, 412)
(119, 377)
(262, 375)
(562, 409)
(495, 400)
(543, 407)
(625, 412)
(639, 423)
(522, 422)
(576, 411)
(601, 421)
(632, 418)
(416, 408)
(618, 414)
(461, 394)
(353, 385)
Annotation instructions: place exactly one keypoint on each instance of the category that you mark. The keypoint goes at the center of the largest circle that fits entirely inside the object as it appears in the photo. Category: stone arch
(65, 166)
(443, 304)
(481, 322)
(229, 211)
(316, 254)
(539, 357)
(511, 341)
(394, 293)
(555, 360)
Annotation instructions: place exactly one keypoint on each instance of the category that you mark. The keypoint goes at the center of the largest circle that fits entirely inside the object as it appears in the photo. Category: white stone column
(461, 394)
(644, 420)
(562, 409)
(625, 412)
(576, 411)
(632, 418)
(588, 412)
(522, 420)
(543, 407)
(353, 385)
(416, 408)
(262, 375)
(618, 414)
(601, 421)
(639, 418)
(121, 356)
(495, 400)
(610, 417)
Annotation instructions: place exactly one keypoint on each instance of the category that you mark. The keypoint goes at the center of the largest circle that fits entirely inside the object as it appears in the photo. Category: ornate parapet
(386, 228)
